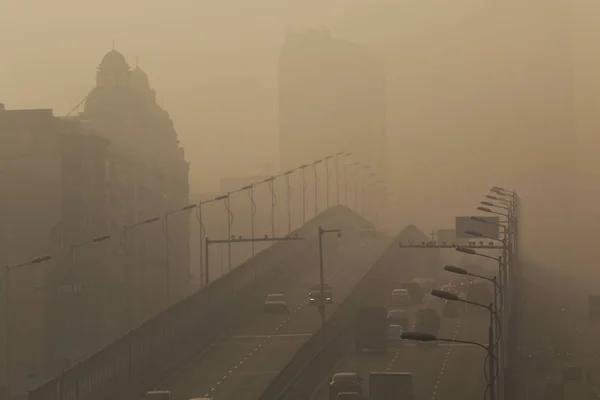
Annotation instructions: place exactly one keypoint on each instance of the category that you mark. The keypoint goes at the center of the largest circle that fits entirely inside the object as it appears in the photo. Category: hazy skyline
(478, 86)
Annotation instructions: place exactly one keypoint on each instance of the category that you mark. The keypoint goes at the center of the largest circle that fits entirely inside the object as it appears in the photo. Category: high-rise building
(331, 99)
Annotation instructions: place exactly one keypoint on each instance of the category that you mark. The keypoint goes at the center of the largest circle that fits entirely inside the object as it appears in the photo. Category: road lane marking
(267, 337)
(445, 362)
(281, 335)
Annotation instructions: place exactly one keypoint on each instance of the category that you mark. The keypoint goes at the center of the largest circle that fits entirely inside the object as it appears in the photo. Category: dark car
(345, 382)
(314, 296)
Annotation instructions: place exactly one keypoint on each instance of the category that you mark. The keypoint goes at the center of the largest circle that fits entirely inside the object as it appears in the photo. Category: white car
(400, 297)
(275, 304)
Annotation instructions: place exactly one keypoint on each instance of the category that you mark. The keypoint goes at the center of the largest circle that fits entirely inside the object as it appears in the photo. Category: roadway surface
(442, 371)
(243, 362)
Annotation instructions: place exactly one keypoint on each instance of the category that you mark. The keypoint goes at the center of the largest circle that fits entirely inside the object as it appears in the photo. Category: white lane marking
(267, 337)
(257, 373)
(271, 336)
(393, 361)
(445, 362)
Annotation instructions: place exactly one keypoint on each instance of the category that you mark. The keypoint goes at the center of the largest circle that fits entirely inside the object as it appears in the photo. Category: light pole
(327, 181)
(491, 345)
(364, 188)
(304, 184)
(426, 337)
(346, 182)
(202, 231)
(229, 222)
(250, 189)
(493, 280)
(128, 273)
(498, 289)
(322, 272)
(314, 164)
(167, 248)
(7, 322)
(79, 287)
(286, 176)
(378, 197)
(271, 182)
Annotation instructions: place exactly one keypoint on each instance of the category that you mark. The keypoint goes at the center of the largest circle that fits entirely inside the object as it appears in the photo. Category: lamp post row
(354, 167)
(76, 285)
(500, 308)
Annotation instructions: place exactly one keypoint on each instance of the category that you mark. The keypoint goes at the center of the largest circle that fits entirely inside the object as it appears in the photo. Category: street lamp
(7, 321)
(321, 270)
(202, 230)
(500, 199)
(426, 337)
(227, 205)
(327, 181)
(364, 188)
(488, 210)
(128, 275)
(286, 176)
(314, 164)
(304, 184)
(250, 189)
(167, 247)
(491, 345)
(490, 204)
(354, 164)
(271, 182)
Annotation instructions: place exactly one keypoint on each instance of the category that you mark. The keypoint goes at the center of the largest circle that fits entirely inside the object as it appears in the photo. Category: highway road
(242, 363)
(442, 371)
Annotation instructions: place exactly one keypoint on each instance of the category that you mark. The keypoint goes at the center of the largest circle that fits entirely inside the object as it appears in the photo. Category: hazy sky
(480, 92)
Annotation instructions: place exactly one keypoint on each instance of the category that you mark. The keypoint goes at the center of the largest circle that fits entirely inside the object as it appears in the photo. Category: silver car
(275, 304)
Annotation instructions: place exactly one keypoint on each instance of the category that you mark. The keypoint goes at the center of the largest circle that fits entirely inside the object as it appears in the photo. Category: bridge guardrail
(146, 355)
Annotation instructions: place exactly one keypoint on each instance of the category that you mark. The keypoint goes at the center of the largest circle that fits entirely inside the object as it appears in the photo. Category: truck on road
(390, 386)
(370, 329)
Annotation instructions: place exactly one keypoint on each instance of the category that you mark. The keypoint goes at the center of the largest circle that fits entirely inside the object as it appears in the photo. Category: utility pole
(322, 272)
(289, 199)
(208, 242)
(304, 184)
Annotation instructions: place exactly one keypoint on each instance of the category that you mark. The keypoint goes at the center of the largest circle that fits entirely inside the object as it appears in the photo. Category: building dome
(139, 78)
(114, 60)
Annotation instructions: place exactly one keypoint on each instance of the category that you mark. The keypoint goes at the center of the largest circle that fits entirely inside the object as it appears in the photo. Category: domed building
(149, 175)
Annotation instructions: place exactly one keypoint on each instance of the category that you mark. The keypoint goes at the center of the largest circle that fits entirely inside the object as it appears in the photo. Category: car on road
(395, 333)
(275, 304)
(344, 382)
(314, 295)
(449, 288)
(398, 317)
(400, 297)
(159, 395)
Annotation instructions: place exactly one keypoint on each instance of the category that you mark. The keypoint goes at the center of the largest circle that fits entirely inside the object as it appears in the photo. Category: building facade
(53, 185)
(331, 99)
(69, 188)
(149, 177)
